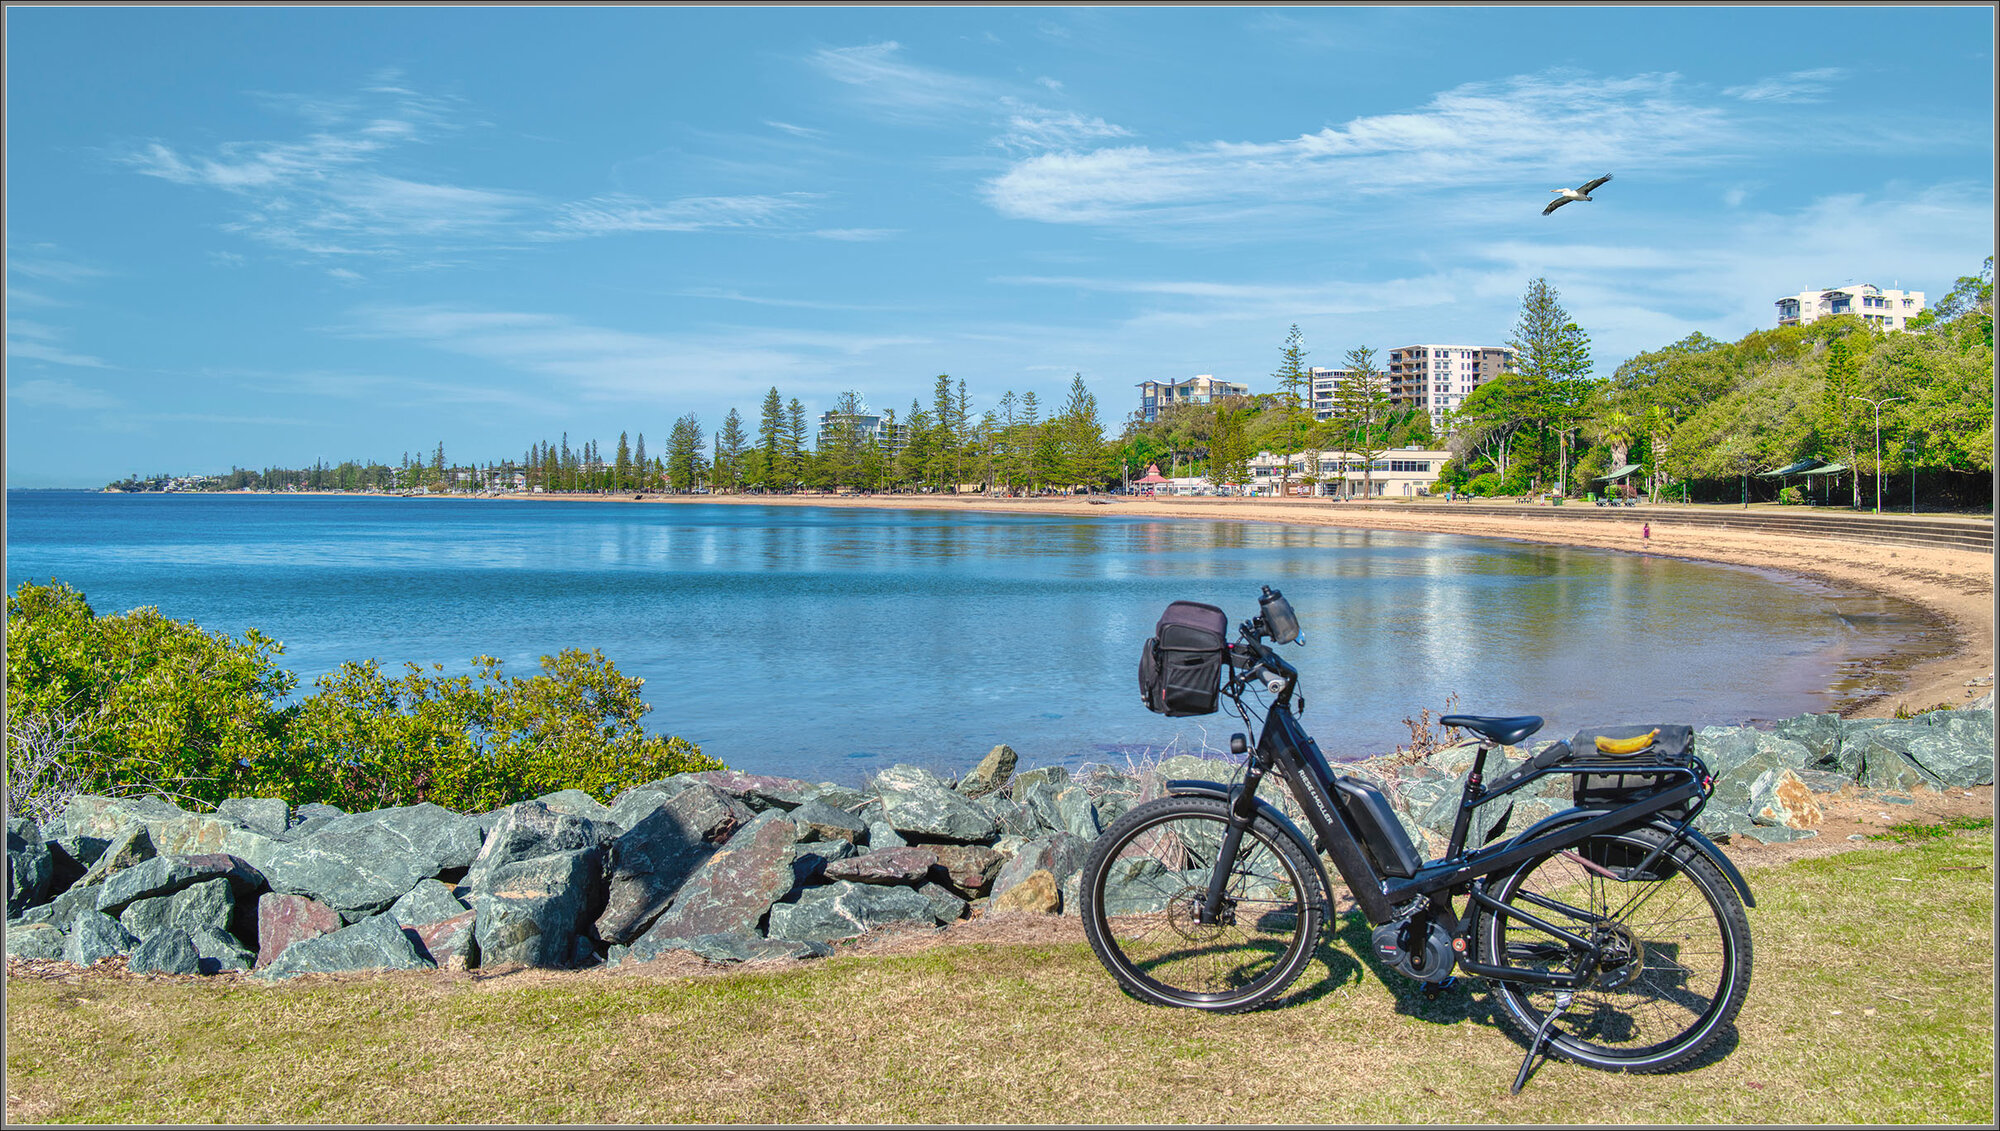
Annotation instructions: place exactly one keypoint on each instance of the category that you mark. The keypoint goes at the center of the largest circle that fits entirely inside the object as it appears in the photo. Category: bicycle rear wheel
(1142, 891)
(1674, 961)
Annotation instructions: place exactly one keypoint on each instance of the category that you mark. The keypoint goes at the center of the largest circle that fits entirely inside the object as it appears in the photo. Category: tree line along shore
(1698, 419)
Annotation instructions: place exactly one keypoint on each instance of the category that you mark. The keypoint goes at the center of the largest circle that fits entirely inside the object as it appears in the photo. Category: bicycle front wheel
(1142, 892)
(1672, 951)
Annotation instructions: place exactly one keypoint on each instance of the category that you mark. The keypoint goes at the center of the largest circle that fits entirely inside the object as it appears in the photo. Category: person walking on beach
(1646, 532)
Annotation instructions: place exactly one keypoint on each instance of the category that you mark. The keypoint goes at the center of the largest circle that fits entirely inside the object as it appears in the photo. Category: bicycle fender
(1693, 836)
(1216, 791)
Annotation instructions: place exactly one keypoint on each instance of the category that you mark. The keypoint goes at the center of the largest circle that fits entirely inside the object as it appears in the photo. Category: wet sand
(1953, 587)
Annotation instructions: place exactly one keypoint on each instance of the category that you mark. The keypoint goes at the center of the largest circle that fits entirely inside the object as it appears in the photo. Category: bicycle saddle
(1505, 731)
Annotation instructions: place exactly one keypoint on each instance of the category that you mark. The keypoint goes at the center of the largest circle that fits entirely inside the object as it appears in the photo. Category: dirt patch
(1854, 812)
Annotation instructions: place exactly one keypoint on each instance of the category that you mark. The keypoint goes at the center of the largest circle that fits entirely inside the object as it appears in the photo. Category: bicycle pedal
(1436, 990)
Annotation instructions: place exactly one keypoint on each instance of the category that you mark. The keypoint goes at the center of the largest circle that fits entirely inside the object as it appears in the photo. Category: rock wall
(737, 867)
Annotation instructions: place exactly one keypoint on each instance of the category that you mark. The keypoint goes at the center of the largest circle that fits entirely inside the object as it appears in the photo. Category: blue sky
(269, 236)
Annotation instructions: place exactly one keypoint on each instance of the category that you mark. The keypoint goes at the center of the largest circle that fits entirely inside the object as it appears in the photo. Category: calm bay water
(826, 643)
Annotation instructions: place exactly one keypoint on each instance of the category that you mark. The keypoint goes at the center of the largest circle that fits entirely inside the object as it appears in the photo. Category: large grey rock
(1114, 793)
(946, 906)
(93, 935)
(375, 943)
(361, 863)
(133, 845)
(992, 773)
(1059, 854)
(220, 950)
(843, 910)
(531, 911)
(34, 940)
(636, 804)
(1193, 767)
(431, 901)
(817, 820)
(730, 948)
(653, 860)
(110, 818)
(1078, 812)
(1041, 775)
(576, 803)
(532, 829)
(205, 903)
(165, 875)
(452, 944)
(731, 891)
(168, 952)
(30, 866)
(1956, 751)
(1014, 818)
(1819, 734)
(916, 803)
(1884, 756)
(268, 815)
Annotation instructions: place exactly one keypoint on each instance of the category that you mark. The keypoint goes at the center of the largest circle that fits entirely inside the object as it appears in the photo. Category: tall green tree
(685, 446)
(730, 443)
(771, 441)
(1360, 404)
(1082, 451)
(621, 466)
(1294, 401)
(1552, 359)
(796, 447)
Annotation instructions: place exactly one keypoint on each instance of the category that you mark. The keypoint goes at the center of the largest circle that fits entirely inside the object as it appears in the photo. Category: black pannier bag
(1180, 668)
(1632, 777)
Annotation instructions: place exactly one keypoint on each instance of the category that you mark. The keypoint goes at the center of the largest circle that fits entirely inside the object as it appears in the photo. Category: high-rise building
(1200, 389)
(1884, 310)
(1325, 388)
(1439, 377)
(873, 428)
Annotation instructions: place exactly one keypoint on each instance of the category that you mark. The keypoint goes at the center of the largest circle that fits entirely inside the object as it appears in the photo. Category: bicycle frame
(1284, 745)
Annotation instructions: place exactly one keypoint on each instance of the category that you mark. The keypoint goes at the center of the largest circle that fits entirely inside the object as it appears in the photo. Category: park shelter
(1618, 475)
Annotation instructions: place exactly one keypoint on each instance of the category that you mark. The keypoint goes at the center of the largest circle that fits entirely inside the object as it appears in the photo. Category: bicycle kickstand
(1535, 1046)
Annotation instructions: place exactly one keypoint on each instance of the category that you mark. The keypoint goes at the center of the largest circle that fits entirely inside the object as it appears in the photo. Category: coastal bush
(472, 743)
(135, 701)
(139, 703)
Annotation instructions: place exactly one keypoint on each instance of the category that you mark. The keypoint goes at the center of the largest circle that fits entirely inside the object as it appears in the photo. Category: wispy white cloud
(1798, 86)
(55, 393)
(338, 192)
(575, 359)
(32, 341)
(856, 235)
(795, 131)
(879, 77)
(619, 213)
(1529, 127)
(1034, 129)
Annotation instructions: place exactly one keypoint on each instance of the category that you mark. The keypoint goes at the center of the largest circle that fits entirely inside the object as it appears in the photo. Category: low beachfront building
(1400, 473)
(1883, 310)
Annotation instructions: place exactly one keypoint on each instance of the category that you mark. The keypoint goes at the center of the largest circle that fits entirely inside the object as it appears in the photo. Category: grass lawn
(1872, 1000)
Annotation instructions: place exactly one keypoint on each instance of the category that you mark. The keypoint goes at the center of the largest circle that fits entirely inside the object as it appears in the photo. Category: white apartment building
(1402, 473)
(1325, 388)
(872, 427)
(1440, 377)
(1884, 310)
(1200, 389)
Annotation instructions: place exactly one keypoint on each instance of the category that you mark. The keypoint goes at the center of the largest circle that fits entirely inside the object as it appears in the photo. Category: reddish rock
(968, 868)
(889, 866)
(285, 919)
(448, 942)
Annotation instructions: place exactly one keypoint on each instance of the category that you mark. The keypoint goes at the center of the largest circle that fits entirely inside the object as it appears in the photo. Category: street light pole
(1878, 442)
(1911, 448)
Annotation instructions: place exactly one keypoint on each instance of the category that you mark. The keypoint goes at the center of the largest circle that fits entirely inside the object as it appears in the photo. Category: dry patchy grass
(1872, 1001)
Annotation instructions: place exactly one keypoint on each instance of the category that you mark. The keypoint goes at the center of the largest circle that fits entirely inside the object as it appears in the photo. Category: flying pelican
(1569, 194)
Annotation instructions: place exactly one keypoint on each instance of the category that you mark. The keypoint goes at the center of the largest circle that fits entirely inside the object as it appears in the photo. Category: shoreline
(1953, 588)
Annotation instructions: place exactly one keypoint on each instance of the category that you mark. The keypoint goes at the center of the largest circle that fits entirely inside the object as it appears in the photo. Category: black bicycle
(1614, 932)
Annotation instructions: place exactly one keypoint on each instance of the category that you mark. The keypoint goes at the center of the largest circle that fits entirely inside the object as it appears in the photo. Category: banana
(1626, 745)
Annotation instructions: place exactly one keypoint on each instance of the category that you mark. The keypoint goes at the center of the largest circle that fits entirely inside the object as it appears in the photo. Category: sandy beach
(1954, 587)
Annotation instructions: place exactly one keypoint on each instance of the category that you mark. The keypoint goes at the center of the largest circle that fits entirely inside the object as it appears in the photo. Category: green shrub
(365, 741)
(1791, 496)
(136, 702)
(1485, 484)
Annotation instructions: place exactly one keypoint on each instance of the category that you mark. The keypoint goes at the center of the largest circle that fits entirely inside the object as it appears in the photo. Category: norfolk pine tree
(1294, 397)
